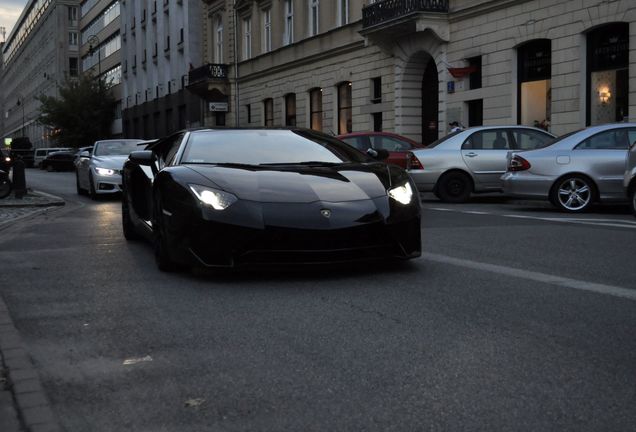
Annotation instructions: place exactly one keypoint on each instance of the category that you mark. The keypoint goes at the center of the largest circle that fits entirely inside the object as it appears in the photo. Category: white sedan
(100, 172)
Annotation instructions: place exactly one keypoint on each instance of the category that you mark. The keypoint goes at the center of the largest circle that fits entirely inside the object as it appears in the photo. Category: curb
(33, 407)
(51, 201)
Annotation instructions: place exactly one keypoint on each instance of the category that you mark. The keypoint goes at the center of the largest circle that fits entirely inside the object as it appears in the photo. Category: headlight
(7, 159)
(217, 199)
(402, 194)
(105, 171)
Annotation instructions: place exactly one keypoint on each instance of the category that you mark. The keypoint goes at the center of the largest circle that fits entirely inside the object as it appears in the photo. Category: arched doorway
(430, 103)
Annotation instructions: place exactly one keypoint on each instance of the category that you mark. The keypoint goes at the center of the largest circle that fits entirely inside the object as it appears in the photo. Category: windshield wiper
(307, 163)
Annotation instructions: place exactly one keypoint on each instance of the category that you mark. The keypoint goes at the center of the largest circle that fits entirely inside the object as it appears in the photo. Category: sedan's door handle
(471, 154)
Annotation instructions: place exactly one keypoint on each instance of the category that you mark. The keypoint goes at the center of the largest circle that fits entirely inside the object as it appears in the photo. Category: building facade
(40, 53)
(160, 43)
(412, 67)
(100, 47)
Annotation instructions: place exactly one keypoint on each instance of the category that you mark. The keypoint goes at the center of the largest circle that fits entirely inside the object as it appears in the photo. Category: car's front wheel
(130, 233)
(49, 168)
(632, 200)
(573, 194)
(454, 187)
(91, 187)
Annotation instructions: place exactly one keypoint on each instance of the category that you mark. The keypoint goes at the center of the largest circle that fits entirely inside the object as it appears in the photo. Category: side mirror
(142, 157)
(85, 154)
(379, 154)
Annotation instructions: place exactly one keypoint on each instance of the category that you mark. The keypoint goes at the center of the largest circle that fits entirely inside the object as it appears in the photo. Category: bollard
(19, 178)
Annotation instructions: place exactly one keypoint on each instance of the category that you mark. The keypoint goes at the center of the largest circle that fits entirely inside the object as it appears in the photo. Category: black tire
(130, 233)
(454, 187)
(91, 190)
(5, 188)
(573, 193)
(79, 189)
(49, 168)
(162, 257)
(632, 200)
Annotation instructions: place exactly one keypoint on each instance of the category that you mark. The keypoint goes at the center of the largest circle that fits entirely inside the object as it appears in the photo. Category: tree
(83, 113)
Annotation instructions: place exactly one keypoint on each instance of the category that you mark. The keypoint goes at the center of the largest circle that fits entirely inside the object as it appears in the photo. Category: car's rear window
(267, 147)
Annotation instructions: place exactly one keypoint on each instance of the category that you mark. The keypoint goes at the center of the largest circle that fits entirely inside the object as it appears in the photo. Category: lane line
(565, 282)
(614, 223)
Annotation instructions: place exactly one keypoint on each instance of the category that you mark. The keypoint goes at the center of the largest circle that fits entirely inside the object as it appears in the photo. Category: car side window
(528, 139)
(389, 143)
(631, 138)
(615, 139)
(488, 140)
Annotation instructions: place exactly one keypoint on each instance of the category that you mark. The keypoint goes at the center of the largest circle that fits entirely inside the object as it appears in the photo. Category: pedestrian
(455, 126)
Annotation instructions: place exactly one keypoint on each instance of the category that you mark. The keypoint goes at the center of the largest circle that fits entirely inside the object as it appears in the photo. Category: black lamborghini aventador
(230, 197)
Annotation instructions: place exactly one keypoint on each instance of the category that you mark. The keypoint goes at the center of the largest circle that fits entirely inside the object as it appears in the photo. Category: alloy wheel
(574, 194)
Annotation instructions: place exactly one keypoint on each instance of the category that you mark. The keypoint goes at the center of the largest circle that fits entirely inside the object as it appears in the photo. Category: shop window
(315, 108)
(607, 74)
(534, 83)
(344, 108)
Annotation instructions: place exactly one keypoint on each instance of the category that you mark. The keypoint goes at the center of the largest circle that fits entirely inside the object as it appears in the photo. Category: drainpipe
(236, 74)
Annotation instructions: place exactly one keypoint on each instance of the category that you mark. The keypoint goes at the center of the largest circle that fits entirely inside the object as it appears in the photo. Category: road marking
(615, 223)
(132, 361)
(611, 290)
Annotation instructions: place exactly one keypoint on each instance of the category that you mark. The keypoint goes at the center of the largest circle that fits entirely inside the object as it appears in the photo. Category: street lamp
(93, 42)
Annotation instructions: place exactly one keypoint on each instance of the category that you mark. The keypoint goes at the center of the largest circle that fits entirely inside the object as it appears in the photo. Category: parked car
(629, 179)
(577, 170)
(225, 198)
(59, 161)
(99, 172)
(398, 146)
(41, 153)
(472, 160)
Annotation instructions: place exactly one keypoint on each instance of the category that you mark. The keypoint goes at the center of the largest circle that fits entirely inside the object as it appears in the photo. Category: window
(288, 36)
(488, 140)
(248, 108)
(313, 17)
(377, 122)
(247, 38)
(72, 15)
(376, 88)
(528, 139)
(534, 83)
(268, 108)
(615, 139)
(315, 109)
(475, 112)
(267, 30)
(290, 109)
(360, 142)
(72, 38)
(218, 40)
(344, 108)
(73, 67)
(608, 74)
(475, 76)
(343, 12)
(380, 142)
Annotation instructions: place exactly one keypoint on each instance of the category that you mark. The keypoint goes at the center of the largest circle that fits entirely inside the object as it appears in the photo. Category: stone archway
(419, 82)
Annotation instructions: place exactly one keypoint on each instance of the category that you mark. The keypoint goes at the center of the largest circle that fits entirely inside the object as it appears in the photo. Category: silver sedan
(472, 160)
(577, 170)
(630, 176)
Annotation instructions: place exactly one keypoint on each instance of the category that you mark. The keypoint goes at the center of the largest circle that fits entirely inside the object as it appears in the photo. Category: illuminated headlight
(402, 194)
(105, 171)
(7, 159)
(217, 199)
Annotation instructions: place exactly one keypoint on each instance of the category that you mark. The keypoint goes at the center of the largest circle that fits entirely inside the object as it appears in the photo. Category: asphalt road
(516, 318)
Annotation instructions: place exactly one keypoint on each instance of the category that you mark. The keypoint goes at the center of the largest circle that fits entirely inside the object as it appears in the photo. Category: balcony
(394, 18)
(209, 80)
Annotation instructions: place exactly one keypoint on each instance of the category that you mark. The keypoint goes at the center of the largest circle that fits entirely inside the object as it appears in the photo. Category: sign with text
(218, 106)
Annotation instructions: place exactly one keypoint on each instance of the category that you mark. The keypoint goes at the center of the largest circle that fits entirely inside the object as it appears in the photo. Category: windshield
(268, 147)
(114, 148)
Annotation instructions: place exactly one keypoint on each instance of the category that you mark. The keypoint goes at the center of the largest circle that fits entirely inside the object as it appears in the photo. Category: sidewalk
(34, 202)
(24, 406)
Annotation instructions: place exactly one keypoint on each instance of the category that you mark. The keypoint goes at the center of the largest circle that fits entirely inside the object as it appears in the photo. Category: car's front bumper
(526, 185)
(107, 184)
(264, 234)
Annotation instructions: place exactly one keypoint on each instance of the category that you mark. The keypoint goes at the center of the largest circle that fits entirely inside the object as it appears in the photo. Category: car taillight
(517, 163)
(412, 162)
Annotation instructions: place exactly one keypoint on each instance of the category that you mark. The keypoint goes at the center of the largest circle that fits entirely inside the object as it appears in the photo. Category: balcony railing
(208, 71)
(387, 10)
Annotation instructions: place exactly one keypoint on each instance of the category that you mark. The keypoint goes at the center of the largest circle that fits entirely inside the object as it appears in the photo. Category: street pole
(94, 40)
